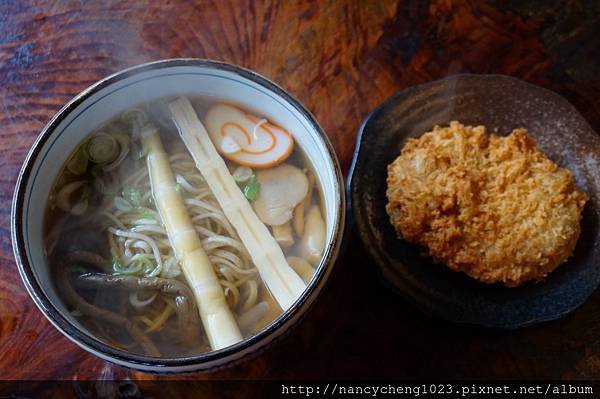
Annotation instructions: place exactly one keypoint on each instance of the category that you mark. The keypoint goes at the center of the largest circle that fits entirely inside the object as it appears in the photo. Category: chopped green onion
(123, 143)
(116, 263)
(132, 195)
(149, 264)
(251, 190)
(145, 213)
(119, 269)
(102, 148)
(177, 187)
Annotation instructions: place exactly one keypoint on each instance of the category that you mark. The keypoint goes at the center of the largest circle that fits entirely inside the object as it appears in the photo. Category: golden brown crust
(495, 208)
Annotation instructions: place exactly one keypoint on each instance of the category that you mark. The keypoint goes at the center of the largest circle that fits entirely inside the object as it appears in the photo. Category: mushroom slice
(281, 189)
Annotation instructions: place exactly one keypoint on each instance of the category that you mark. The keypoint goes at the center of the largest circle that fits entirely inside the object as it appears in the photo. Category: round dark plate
(501, 103)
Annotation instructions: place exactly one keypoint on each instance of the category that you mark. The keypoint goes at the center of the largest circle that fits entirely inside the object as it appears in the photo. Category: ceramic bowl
(110, 97)
(500, 103)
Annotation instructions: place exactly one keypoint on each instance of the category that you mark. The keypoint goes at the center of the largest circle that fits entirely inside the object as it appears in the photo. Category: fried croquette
(495, 208)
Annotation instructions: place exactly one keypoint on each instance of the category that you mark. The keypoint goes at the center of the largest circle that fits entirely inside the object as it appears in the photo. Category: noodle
(131, 235)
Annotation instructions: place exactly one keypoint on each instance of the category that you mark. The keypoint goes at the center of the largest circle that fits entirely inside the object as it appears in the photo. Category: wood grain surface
(341, 59)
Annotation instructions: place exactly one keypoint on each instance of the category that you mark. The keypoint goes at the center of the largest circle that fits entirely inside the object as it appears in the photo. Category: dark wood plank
(341, 59)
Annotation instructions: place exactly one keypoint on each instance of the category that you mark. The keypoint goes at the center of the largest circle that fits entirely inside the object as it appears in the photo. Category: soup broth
(128, 271)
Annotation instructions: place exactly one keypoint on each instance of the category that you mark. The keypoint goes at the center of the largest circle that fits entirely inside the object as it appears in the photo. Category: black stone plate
(500, 103)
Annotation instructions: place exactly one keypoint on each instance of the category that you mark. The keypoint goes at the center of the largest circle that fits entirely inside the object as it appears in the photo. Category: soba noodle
(137, 236)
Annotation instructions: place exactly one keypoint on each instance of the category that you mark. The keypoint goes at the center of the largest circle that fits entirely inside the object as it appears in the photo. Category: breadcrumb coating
(495, 208)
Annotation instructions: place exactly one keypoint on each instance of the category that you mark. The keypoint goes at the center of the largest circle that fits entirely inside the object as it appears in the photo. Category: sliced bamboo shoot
(285, 285)
(219, 323)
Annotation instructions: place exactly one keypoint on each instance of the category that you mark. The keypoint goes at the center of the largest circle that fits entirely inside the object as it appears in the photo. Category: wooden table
(341, 59)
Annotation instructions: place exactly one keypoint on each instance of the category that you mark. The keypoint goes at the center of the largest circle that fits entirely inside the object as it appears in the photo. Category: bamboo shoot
(283, 282)
(219, 323)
